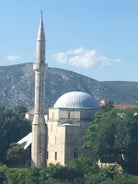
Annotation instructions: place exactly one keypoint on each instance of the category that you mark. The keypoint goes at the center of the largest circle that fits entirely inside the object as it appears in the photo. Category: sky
(95, 38)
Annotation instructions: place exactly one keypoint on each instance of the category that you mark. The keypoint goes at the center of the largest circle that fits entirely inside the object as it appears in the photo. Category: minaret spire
(41, 15)
(40, 50)
(39, 128)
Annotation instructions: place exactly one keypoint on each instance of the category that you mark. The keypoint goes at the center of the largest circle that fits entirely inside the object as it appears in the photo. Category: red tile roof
(124, 106)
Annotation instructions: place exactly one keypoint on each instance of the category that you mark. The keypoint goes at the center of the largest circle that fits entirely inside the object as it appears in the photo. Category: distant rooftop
(124, 106)
(26, 141)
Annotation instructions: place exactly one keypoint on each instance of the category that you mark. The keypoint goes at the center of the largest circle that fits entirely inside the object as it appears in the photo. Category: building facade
(67, 124)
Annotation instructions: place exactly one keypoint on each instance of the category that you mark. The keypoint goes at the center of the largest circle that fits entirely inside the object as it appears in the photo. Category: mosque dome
(76, 99)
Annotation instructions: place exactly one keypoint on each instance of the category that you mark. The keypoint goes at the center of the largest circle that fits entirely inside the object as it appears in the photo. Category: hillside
(17, 86)
(129, 89)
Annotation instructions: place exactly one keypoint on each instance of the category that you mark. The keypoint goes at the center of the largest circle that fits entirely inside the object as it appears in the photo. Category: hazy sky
(97, 38)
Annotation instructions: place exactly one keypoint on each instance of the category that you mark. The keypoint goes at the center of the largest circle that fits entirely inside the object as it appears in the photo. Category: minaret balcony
(39, 66)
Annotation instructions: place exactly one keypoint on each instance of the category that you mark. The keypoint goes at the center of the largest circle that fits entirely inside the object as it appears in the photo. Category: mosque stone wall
(56, 143)
(72, 142)
(66, 130)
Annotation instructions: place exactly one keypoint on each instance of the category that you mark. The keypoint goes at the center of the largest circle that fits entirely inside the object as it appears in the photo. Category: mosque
(56, 137)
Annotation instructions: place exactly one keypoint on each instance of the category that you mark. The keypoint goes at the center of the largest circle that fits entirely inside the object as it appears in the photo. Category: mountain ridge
(17, 86)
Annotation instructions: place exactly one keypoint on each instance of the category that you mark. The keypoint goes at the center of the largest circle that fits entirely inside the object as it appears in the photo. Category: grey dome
(76, 99)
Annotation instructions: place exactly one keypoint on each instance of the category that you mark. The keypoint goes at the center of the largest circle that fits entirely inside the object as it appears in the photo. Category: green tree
(113, 136)
(64, 173)
(82, 165)
(16, 156)
(13, 127)
(100, 135)
(2, 173)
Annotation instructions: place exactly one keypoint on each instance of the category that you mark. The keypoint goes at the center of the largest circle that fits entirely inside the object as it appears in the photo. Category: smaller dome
(76, 99)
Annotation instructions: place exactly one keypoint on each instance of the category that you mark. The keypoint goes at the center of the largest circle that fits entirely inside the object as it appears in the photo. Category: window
(55, 155)
(68, 115)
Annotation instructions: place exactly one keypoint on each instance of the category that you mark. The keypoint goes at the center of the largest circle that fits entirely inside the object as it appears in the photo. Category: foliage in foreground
(16, 156)
(113, 136)
(71, 174)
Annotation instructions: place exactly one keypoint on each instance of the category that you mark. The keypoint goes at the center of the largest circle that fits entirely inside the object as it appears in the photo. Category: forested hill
(17, 86)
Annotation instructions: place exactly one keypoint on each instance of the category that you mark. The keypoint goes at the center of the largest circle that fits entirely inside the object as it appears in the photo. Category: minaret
(39, 128)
